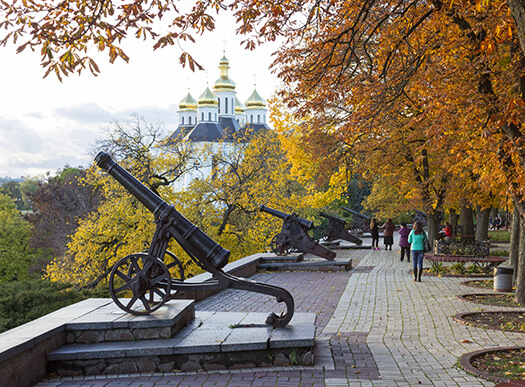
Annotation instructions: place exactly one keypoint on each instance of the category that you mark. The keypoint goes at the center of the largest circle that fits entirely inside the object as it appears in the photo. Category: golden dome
(188, 103)
(224, 83)
(255, 101)
(239, 107)
(208, 99)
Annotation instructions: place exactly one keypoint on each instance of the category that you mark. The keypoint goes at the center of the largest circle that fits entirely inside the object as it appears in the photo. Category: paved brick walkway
(375, 327)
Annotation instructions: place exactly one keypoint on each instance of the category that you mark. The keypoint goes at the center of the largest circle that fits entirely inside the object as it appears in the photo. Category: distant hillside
(4, 180)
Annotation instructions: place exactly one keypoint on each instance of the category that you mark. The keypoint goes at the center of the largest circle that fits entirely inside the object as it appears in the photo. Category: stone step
(338, 264)
(109, 323)
(212, 340)
(282, 259)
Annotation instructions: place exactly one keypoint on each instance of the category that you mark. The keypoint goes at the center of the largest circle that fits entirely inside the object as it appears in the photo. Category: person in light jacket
(403, 242)
(374, 231)
(417, 239)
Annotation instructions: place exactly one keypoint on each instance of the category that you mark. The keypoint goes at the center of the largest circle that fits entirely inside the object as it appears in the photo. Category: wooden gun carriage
(141, 283)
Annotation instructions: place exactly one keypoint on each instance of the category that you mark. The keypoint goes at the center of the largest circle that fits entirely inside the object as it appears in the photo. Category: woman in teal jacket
(417, 239)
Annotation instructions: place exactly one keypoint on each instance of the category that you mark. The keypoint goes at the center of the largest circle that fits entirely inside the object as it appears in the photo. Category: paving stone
(374, 319)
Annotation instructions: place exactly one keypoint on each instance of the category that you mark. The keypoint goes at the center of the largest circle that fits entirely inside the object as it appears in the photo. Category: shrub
(459, 267)
(21, 302)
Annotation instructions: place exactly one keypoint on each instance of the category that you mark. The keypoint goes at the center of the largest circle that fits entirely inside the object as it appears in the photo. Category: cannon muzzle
(356, 213)
(147, 197)
(332, 218)
(306, 224)
(191, 238)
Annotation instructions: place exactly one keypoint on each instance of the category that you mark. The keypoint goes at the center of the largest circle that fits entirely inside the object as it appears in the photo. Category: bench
(487, 263)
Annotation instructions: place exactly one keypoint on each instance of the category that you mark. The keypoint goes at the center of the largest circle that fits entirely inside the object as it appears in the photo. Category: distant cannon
(336, 229)
(141, 283)
(421, 217)
(360, 222)
(294, 236)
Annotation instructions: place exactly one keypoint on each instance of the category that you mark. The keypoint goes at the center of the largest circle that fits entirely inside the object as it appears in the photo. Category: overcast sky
(45, 124)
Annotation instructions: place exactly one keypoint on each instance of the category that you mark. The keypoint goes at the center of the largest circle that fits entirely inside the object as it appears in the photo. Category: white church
(214, 118)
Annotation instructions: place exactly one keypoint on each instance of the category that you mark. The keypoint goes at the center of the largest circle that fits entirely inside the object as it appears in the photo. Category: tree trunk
(482, 224)
(520, 278)
(514, 243)
(433, 227)
(466, 220)
(453, 220)
(517, 9)
(493, 213)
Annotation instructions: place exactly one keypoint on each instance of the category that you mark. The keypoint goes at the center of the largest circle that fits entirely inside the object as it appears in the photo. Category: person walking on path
(403, 242)
(388, 232)
(374, 230)
(417, 239)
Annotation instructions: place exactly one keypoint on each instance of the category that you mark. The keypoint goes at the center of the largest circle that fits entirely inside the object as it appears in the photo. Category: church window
(182, 120)
(202, 116)
(226, 105)
(190, 120)
(233, 105)
(209, 116)
(258, 118)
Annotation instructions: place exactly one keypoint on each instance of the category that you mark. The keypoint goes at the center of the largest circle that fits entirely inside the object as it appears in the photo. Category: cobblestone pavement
(375, 327)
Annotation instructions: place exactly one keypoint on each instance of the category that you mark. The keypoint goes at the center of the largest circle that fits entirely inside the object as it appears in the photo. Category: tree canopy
(15, 256)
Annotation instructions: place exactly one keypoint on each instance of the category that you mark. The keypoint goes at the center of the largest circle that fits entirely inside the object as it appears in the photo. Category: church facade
(211, 121)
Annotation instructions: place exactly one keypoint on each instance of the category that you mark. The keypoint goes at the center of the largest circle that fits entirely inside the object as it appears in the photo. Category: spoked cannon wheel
(282, 244)
(174, 265)
(139, 284)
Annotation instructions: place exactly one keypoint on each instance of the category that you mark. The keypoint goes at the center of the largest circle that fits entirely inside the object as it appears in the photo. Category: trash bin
(503, 279)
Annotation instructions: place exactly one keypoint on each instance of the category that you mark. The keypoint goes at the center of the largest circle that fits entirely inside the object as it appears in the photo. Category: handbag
(426, 244)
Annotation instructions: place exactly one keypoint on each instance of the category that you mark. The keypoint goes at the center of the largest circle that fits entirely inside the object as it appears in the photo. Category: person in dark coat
(403, 242)
(388, 232)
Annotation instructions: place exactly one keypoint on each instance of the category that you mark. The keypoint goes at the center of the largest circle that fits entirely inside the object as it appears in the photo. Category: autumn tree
(15, 255)
(120, 225)
(361, 69)
(58, 204)
(249, 170)
(12, 189)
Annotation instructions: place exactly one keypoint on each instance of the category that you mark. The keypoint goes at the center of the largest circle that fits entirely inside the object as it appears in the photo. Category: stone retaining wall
(23, 349)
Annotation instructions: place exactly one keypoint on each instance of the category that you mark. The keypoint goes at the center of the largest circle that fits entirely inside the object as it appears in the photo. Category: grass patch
(457, 268)
(509, 364)
(499, 236)
(480, 284)
(502, 320)
(499, 253)
(506, 299)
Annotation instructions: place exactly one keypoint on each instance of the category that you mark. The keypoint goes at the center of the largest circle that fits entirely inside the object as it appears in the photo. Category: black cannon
(421, 217)
(141, 283)
(336, 229)
(294, 236)
(360, 222)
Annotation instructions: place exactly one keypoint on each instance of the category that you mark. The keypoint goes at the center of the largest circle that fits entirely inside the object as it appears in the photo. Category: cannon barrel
(196, 243)
(331, 217)
(356, 213)
(307, 224)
